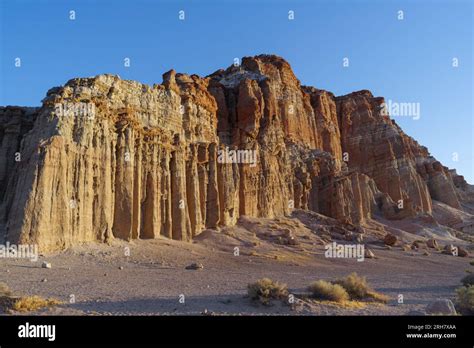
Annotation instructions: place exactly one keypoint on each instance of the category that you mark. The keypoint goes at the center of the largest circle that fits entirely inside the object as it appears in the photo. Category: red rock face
(196, 153)
(376, 147)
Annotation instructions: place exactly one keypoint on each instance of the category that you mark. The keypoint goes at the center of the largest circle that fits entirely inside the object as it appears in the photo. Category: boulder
(432, 243)
(369, 254)
(46, 265)
(449, 249)
(390, 239)
(462, 252)
(195, 266)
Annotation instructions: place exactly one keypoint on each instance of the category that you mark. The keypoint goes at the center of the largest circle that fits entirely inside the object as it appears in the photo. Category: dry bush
(264, 290)
(355, 286)
(465, 299)
(377, 296)
(358, 289)
(468, 280)
(33, 303)
(5, 290)
(323, 290)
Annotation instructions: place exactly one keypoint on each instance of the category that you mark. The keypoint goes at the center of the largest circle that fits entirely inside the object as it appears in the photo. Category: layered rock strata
(107, 158)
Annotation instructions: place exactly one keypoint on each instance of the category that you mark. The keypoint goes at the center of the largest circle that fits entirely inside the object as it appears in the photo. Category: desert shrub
(377, 296)
(358, 289)
(323, 290)
(4, 290)
(468, 280)
(264, 290)
(355, 286)
(33, 303)
(465, 299)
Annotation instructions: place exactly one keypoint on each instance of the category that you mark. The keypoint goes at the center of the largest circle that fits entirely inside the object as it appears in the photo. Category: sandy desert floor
(104, 281)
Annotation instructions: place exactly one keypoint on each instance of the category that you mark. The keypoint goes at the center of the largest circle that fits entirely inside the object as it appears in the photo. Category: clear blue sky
(405, 61)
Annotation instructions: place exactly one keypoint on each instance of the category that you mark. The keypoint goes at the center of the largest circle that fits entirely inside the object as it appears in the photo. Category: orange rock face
(106, 158)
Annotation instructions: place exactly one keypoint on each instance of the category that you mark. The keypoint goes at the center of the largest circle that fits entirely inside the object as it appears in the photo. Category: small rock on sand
(432, 243)
(46, 265)
(390, 239)
(369, 254)
(462, 252)
(195, 266)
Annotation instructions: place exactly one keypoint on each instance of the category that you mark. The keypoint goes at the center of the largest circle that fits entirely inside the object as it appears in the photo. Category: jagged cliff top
(257, 68)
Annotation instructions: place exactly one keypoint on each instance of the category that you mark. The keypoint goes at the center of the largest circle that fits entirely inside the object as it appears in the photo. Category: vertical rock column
(124, 185)
(181, 225)
(193, 191)
(212, 205)
(151, 207)
(165, 189)
(203, 177)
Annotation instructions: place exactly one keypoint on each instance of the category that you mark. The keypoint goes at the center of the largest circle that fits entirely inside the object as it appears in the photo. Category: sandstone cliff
(107, 158)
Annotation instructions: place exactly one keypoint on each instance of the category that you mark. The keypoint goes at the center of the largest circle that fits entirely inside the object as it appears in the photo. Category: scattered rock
(432, 243)
(369, 254)
(46, 265)
(121, 268)
(462, 252)
(44, 280)
(449, 249)
(195, 266)
(349, 236)
(418, 244)
(291, 240)
(426, 253)
(390, 239)
(406, 247)
(444, 307)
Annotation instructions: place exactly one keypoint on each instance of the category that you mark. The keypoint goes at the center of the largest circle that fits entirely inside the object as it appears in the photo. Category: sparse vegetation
(4, 290)
(33, 303)
(265, 290)
(377, 296)
(465, 299)
(358, 289)
(324, 290)
(468, 280)
(355, 285)
(9, 302)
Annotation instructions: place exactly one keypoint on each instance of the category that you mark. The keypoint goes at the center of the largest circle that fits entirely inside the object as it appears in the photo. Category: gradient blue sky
(405, 61)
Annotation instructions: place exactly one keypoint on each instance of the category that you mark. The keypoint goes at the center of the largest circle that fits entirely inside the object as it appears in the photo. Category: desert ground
(147, 277)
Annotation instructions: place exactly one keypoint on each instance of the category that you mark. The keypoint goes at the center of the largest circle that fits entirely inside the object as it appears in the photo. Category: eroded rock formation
(106, 158)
